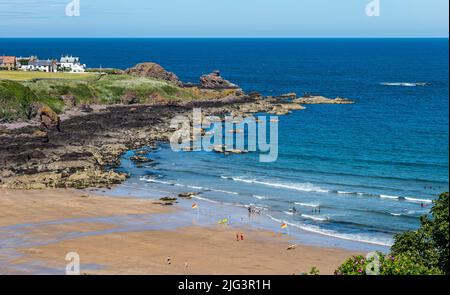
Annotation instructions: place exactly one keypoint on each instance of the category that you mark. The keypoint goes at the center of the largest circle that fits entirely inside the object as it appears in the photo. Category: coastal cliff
(71, 132)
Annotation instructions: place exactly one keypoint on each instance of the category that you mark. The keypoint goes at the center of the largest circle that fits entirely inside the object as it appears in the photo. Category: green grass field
(26, 76)
(20, 90)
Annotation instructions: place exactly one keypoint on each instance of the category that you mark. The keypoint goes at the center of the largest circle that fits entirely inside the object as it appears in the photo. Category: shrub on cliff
(429, 245)
(420, 252)
(386, 265)
(15, 100)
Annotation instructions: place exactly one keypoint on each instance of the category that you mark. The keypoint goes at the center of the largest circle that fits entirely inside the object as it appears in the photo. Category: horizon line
(263, 37)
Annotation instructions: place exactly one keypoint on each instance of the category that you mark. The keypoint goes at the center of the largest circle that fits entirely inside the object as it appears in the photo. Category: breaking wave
(330, 233)
(403, 84)
(303, 187)
(307, 204)
(316, 218)
(309, 187)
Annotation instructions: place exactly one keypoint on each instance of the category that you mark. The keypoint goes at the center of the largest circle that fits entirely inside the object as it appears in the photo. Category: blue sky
(224, 18)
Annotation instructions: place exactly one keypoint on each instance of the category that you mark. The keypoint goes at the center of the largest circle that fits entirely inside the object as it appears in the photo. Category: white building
(40, 66)
(71, 64)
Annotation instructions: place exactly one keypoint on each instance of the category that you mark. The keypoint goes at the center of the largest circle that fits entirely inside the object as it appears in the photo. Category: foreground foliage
(17, 97)
(421, 252)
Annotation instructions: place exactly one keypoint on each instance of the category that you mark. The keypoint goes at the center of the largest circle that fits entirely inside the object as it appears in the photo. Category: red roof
(8, 59)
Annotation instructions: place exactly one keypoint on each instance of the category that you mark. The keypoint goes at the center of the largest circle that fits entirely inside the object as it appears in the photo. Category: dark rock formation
(33, 110)
(86, 108)
(153, 70)
(215, 81)
(140, 159)
(88, 146)
(317, 99)
(129, 98)
(69, 101)
(49, 119)
(188, 195)
(291, 95)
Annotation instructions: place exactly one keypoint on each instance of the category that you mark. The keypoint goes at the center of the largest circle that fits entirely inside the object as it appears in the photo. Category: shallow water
(369, 166)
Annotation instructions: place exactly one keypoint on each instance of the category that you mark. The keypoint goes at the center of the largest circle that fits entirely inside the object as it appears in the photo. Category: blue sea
(373, 168)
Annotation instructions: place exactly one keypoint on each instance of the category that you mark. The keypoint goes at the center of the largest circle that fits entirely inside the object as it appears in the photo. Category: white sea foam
(403, 84)
(288, 213)
(413, 212)
(344, 192)
(205, 199)
(389, 197)
(316, 218)
(307, 204)
(156, 181)
(415, 200)
(196, 187)
(331, 233)
(304, 187)
(260, 197)
(396, 214)
(223, 191)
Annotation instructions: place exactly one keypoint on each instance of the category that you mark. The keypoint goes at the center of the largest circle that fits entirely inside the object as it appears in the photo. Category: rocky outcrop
(215, 81)
(129, 98)
(140, 159)
(291, 95)
(86, 108)
(187, 195)
(79, 179)
(85, 149)
(153, 70)
(317, 99)
(33, 110)
(48, 118)
(69, 101)
(285, 108)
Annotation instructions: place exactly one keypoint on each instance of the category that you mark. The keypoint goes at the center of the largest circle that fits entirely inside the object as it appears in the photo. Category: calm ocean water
(369, 166)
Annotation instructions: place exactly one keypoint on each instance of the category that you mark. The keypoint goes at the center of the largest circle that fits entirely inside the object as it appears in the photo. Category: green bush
(386, 265)
(430, 243)
(15, 100)
(16, 97)
(421, 252)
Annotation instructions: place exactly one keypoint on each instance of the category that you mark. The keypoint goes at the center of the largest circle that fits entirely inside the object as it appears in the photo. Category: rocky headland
(317, 99)
(79, 144)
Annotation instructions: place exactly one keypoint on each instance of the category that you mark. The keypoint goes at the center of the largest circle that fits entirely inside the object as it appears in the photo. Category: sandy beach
(122, 236)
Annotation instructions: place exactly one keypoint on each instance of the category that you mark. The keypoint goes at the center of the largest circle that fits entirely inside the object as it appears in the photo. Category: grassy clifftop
(15, 100)
(18, 91)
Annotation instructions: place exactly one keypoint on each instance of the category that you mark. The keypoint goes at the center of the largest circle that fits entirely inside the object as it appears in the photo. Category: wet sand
(38, 229)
